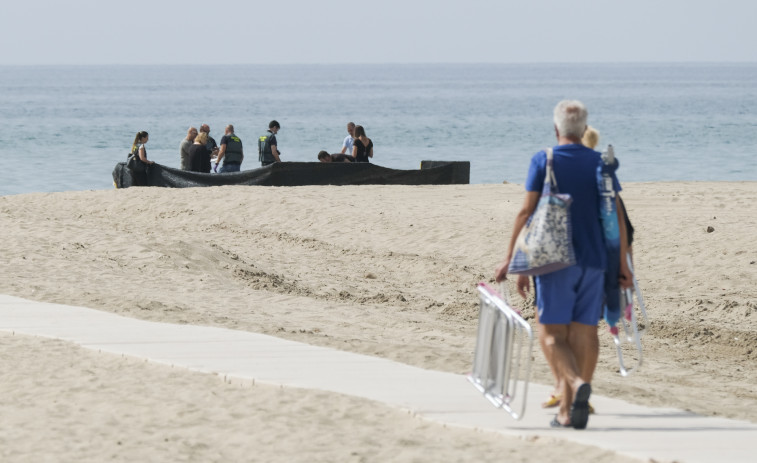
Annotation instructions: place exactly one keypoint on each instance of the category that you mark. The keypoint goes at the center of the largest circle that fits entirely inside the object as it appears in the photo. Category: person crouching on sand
(570, 300)
(324, 156)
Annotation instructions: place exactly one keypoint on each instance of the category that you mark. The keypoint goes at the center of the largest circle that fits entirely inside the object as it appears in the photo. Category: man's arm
(529, 204)
(221, 153)
(275, 152)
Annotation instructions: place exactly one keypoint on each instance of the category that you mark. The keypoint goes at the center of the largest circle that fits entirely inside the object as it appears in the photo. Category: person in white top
(348, 140)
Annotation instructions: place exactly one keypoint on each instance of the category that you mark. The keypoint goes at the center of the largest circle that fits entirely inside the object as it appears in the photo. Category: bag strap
(550, 173)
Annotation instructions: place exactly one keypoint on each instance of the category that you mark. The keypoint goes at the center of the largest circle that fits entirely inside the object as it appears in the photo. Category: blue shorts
(573, 294)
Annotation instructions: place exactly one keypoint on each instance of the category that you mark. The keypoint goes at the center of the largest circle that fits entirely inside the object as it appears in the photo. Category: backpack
(133, 162)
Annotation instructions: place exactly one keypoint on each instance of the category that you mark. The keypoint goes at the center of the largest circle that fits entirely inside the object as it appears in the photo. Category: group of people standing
(199, 151)
(357, 147)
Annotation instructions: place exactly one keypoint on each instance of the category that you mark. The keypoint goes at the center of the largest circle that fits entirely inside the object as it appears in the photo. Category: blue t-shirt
(575, 169)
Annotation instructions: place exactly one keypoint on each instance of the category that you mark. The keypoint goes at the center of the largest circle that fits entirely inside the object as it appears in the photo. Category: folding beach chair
(504, 345)
(631, 302)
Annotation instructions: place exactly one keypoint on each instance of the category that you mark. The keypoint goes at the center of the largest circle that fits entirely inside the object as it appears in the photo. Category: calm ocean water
(64, 128)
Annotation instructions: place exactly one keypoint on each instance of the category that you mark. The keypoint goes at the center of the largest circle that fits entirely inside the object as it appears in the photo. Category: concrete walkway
(641, 432)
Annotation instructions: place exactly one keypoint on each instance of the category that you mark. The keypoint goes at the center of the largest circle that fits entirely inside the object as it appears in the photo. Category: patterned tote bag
(545, 244)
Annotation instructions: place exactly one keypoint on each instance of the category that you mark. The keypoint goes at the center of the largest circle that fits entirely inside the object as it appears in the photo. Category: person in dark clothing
(362, 148)
(211, 144)
(268, 147)
(324, 156)
(231, 152)
(199, 155)
(139, 152)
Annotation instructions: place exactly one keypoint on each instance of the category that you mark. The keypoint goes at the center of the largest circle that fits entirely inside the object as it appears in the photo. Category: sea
(65, 127)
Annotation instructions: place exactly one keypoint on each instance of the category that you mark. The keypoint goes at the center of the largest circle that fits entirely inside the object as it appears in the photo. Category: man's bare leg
(558, 383)
(558, 352)
(584, 343)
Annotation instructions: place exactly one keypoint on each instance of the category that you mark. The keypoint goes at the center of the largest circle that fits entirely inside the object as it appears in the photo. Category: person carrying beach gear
(590, 139)
(268, 149)
(231, 152)
(569, 299)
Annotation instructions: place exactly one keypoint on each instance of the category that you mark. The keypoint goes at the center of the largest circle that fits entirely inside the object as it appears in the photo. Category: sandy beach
(384, 271)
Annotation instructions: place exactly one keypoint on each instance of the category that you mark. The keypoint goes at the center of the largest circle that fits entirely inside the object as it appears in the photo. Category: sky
(89, 32)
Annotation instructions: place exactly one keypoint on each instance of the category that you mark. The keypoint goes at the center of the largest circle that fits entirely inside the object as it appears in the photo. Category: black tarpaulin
(304, 173)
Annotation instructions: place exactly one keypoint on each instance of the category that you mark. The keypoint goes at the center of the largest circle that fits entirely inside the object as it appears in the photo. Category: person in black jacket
(268, 146)
(199, 154)
(231, 152)
(324, 156)
(362, 147)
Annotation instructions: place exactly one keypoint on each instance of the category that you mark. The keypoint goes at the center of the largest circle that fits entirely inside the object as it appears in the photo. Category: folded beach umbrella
(609, 217)
(619, 304)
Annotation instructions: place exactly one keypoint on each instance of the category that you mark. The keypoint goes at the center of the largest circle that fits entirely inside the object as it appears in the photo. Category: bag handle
(550, 173)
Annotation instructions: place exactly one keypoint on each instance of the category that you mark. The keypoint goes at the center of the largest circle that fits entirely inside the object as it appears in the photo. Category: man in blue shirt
(570, 300)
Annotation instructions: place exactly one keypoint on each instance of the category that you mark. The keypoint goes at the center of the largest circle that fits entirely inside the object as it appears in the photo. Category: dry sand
(390, 271)
(63, 403)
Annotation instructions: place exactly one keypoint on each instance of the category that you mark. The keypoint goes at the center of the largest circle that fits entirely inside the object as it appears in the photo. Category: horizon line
(389, 63)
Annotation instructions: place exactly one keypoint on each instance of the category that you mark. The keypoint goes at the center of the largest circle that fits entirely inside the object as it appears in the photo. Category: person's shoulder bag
(133, 163)
(545, 244)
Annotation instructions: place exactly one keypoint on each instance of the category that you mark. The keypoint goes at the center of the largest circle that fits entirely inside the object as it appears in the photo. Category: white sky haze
(382, 31)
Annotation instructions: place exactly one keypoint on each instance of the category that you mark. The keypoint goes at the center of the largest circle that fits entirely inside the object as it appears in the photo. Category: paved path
(641, 432)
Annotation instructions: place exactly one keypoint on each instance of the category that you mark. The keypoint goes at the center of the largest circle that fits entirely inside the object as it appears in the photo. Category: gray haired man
(184, 147)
